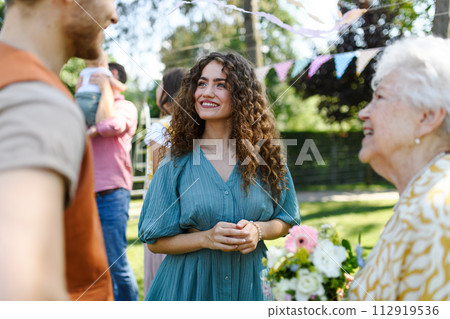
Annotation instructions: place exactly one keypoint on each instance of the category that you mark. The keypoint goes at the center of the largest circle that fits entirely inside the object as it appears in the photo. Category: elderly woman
(407, 141)
(223, 191)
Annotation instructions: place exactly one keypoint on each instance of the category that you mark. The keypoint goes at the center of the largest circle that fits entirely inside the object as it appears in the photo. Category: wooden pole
(252, 37)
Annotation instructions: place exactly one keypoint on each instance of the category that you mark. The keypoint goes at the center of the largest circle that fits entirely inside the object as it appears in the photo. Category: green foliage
(340, 100)
(223, 30)
(155, 12)
(276, 42)
(330, 233)
(137, 96)
(347, 246)
(154, 110)
(135, 255)
(284, 101)
(70, 72)
(187, 44)
(302, 256)
(2, 12)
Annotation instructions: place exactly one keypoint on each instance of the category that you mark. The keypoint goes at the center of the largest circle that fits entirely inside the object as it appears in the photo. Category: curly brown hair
(251, 120)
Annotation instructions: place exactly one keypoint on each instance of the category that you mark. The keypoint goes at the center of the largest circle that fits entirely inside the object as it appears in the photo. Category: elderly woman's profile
(407, 141)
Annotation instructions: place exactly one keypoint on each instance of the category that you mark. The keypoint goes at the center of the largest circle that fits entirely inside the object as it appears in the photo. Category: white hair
(423, 66)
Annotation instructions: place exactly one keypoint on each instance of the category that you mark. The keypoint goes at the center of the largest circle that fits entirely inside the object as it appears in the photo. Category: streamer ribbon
(347, 19)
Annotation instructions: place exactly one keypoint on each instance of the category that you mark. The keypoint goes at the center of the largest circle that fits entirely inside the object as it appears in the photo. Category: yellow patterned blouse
(411, 261)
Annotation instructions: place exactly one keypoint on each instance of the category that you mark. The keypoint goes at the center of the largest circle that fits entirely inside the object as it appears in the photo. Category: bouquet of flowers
(312, 265)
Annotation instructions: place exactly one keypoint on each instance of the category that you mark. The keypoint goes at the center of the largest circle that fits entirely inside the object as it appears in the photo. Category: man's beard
(83, 38)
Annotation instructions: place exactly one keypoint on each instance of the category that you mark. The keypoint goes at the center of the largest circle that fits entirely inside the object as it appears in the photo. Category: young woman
(223, 190)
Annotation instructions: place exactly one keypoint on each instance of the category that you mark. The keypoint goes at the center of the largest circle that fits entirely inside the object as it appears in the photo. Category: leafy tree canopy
(214, 28)
(340, 100)
(2, 13)
(219, 29)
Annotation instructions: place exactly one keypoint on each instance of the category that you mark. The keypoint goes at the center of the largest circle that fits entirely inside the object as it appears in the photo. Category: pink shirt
(112, 161)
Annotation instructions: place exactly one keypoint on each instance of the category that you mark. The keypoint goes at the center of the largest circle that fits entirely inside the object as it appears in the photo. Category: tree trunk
(441, 18)
(252, 37)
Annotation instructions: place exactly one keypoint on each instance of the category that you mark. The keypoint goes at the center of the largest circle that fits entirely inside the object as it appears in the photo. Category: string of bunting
(341, 62)
(347, 19)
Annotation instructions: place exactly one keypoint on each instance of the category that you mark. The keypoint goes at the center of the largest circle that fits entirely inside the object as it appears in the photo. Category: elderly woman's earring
(417, 140)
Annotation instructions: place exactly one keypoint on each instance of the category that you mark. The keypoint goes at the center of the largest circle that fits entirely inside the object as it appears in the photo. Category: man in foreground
(46, 173)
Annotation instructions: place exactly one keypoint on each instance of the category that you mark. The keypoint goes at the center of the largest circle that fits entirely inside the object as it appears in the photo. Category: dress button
(226, 278)
(226, 192)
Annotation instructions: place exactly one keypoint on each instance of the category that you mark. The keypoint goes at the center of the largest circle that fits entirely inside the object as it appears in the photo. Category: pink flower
(301, 237)
(266, 290)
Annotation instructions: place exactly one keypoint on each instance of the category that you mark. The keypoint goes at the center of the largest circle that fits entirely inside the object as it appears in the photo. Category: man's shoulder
(20, 66)
(41, 127)
(35, 91)
(38, 94)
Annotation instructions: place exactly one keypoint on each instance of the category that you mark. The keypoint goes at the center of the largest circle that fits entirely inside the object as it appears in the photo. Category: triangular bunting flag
(317, 63)
(282, 69)
(341, 62)
(261, 72)
(299, 66)
(364, 58)
(350, 17)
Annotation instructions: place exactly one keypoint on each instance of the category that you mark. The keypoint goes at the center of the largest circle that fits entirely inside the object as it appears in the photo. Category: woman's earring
(417, 140)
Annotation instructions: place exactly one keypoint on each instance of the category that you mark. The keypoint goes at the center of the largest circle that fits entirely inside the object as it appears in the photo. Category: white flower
(274, 254)
(308, 283)
(280, 288)
(328, 258)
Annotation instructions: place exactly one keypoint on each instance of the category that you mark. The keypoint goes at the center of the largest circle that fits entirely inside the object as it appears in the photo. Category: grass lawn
(380, 186)
(350, 219)
(135, 254)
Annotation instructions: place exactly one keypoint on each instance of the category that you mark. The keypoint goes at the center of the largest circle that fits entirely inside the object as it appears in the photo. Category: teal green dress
(192, 194)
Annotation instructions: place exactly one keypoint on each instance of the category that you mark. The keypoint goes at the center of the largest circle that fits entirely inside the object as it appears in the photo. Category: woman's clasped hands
(225, 236)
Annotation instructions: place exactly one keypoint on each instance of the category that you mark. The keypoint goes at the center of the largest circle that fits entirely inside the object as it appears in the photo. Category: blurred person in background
(112, 135)
(87, 94)
(156, 139)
